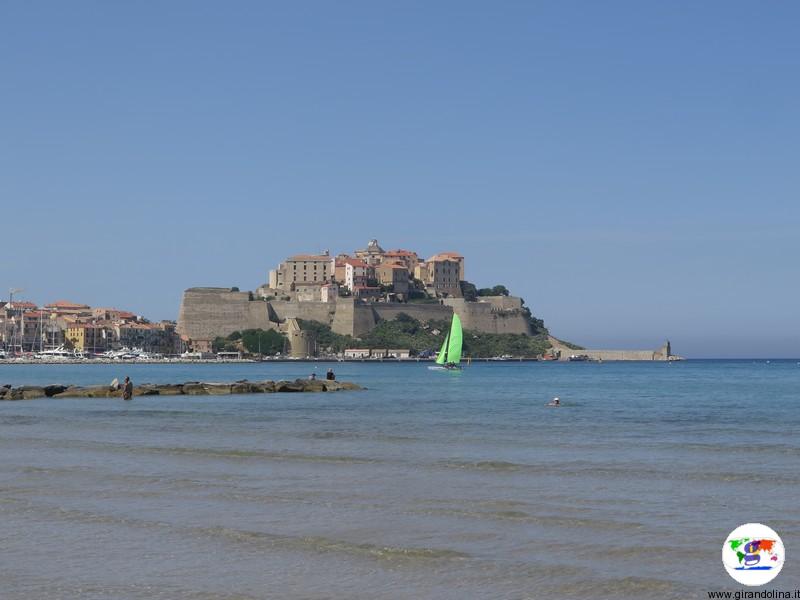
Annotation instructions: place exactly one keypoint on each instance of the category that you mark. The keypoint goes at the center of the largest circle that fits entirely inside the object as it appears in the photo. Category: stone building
(451, 257)
(302, 268)
(393, 274)
(89, 337)
(405, 257)
(372, 254)
(357, 273)
(329, 292)
(441, 275)
(64, 307)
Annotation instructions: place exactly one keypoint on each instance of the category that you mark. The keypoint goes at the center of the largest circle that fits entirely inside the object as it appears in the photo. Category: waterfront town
(69, 329)
(64, 329)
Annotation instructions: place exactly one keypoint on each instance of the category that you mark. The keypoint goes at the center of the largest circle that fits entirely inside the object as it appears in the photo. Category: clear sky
(629, 168)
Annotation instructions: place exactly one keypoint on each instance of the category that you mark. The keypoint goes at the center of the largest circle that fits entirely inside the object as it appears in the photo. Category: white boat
(60, 353)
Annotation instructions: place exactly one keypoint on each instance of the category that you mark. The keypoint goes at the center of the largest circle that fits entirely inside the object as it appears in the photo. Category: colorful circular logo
(753, 554)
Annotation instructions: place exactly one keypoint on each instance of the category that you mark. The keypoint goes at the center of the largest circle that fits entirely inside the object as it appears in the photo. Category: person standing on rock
(127, 389)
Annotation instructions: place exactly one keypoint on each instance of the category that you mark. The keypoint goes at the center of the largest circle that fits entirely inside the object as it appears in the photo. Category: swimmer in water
(554, 402)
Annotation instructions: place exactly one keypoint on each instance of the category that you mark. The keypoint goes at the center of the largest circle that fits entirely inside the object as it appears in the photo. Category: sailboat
(449, 356)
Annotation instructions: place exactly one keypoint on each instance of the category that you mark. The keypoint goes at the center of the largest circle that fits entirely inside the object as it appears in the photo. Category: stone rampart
(487, 318)
(662, 353)
(209, 312)
(206, 313)
(421, 312)
(280, 310)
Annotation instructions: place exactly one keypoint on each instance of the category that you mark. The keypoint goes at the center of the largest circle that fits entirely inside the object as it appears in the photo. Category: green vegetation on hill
(407, 332)
(326, 338)
(254, 341)
(570, 345)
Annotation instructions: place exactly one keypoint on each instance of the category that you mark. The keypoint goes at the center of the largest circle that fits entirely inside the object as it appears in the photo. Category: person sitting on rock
(330, 376)
(313, 376)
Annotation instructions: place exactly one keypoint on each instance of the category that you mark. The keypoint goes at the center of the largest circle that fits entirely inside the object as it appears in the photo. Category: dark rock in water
(52, 390)
(146, 390)
(26, 392)
(194, 389)
(314, 385)
(289, 386)
(244, 387)
(350, 386)
(264, 387)
(191, 388)
(170, 389)
(217, 389)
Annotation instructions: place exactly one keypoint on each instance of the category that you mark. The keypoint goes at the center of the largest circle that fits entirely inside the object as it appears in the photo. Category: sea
(428, 484)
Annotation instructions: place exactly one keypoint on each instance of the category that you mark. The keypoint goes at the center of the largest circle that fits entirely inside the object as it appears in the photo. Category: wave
(19, 420)
(240, 536)
(210, 452)
(485, 465)
(535, 519)
(324, 544)
(637, 471)
(623, 587)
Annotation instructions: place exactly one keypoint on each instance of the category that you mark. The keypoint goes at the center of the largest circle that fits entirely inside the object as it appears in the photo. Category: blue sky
(629, 168)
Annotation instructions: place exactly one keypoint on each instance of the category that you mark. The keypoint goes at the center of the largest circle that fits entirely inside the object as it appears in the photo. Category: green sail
(454, 347)
(441, 358)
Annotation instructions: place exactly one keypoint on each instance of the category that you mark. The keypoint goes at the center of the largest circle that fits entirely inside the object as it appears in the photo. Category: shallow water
(427, 485)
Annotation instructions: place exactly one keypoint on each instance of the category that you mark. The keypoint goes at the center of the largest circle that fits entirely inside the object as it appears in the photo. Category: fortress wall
(209, 312)
(483, 317)
(206, 313)
(352, 318)
(502, 302)
(310, 311)
(662, 353)
(421, 312)
(614, 354)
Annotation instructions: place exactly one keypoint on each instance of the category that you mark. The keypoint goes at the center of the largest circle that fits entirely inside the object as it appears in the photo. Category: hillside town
(70, 329)
(369, 274)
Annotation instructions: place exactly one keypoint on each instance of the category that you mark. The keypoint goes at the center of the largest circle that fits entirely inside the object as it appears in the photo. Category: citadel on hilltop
(358, 296)
(351, 294)
(369, 274)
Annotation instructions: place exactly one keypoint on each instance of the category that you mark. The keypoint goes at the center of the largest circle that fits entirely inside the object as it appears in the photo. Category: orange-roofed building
(64, 307)
(372, 254)
(452, 257)
(113, 314)
(20, 306)
(406, 257)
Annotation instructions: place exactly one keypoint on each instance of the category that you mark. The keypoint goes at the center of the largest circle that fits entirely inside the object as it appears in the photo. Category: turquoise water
(426, 485)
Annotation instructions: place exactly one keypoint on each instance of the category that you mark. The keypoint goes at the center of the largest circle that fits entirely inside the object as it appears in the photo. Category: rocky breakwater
(190, 388)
